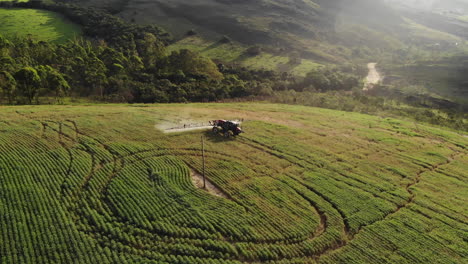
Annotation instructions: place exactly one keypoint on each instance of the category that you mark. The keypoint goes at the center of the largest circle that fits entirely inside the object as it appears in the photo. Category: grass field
(39, 24)
(101, 184)
(236, 53)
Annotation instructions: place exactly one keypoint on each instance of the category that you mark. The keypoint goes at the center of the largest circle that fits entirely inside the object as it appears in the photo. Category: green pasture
(37, 24)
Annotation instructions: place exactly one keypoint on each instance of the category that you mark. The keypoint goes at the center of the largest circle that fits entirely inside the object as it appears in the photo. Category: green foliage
(238, 54)
(191, 63)
(439, 78)
(5, 44)
(53, 81)
(7, 86)
(152, 48)
(141, 73)
(29, 83)
(360, 102)
(326, 79)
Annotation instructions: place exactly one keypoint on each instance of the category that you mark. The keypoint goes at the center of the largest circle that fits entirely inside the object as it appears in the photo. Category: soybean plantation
(103, 184)
(37, 24)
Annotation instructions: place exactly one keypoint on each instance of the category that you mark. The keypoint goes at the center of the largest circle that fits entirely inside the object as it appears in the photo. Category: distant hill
(327, 31)
(298, 36)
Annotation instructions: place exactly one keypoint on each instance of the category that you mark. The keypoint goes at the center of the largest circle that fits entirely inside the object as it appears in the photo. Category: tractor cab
(226, 127)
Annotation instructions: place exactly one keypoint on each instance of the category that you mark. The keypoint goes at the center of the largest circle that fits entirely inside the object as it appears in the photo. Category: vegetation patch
(37, 24)
(442, 78)
(252, 57)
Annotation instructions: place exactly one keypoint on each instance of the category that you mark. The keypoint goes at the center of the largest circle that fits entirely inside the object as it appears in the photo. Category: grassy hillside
(311, 28)
(444, 78)
(102, 184)
(318, 31)
(38, 24)
(237, 54)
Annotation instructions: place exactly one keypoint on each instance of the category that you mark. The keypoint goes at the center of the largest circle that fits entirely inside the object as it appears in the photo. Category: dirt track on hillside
(373, 77)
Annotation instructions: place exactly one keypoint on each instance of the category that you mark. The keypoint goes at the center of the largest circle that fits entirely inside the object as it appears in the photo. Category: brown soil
(197, 180)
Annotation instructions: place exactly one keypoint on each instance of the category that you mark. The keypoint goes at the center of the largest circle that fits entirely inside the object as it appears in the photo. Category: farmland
(37, 24)
(102, 184)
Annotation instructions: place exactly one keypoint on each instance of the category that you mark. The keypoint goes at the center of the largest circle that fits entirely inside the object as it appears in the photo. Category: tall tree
(192, 63)
(53, 81)
(96, 75)
(150, 50)
(28, 82)
(58, 84)
(7, 86)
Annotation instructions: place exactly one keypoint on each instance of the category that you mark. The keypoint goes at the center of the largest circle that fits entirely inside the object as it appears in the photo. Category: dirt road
(373, 77)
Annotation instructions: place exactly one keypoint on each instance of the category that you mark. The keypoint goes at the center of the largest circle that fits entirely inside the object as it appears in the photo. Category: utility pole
(203, 159)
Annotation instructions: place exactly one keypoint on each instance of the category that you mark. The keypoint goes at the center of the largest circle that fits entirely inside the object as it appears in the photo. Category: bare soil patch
(197, 180)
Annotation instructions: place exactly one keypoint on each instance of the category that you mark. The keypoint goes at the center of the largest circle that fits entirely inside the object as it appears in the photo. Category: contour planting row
(105, 169)
(135, 201)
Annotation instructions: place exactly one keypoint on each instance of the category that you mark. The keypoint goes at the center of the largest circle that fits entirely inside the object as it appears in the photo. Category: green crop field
(38, 24)
(103, 184)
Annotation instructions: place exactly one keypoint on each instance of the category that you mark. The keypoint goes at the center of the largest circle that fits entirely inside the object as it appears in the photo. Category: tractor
(227, 128)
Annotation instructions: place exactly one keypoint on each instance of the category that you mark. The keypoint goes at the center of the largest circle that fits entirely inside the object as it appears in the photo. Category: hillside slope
(320, 31)
(316, 29)
(102, 184)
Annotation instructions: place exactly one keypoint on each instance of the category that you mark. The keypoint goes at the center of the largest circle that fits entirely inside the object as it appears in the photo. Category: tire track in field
(70, 154)
(346, 230)
(350, 236)
(318, 232)
(172, 151)
(232, 242)
(399, 207)
(287, 156)
(322, 227)
(323, 219)
(95, 168)
(61, 136)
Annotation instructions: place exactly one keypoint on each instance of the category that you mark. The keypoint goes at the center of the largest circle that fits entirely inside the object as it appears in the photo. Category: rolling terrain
(301, 36)
(102, 184)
